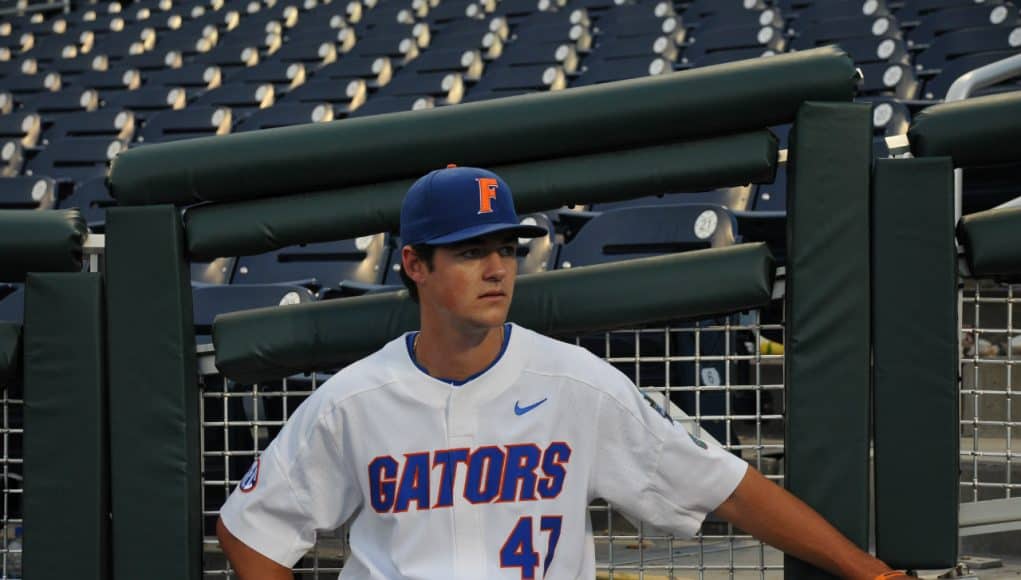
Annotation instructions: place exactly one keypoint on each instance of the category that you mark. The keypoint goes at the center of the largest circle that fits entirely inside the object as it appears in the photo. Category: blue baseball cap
(459, 203)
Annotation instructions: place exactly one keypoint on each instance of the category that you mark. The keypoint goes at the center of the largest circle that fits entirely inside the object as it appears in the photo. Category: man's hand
(249, 564)
(773, 515)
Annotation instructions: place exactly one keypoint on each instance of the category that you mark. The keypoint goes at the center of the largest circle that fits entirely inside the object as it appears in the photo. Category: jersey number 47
(519, 551)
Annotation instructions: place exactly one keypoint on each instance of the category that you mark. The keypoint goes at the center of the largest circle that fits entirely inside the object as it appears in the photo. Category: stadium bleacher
(83, 81)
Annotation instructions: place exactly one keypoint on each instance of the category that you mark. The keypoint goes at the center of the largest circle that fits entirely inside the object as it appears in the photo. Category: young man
(471, 449)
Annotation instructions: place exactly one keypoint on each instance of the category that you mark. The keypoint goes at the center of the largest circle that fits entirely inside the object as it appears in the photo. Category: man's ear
(413, 265)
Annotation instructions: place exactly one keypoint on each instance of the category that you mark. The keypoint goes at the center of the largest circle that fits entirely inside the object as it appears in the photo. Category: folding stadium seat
(284, 76)
(507, 81)
(108, 83)
(343, 94)
(217, 271)
(867, 50)
(209, 301)
(958, 43)
(27, 193)
(383, 104)
(50, 48)
(285, 115)
(917, 9)
(12, 158)
(890, 118)
(27, 85)
(319, 265)
(91, 197)
(22, 126)
(771, 17)
(194, 121)
(387, 14)
(474, 35)
(760, 39)
(831, 31)
(895, 80)
(516, 9)
(195, 76)
(146, 62)
(701, 9)
(448, 11)
(939, 22)
(75, 159)
(468, 63)
(548, 53)
(401, 50)
(444, 87)
(151, 99)
(578, 35)
(242, 99)
(376, 71)
(66, 101)
(311, 53)
(647, 46)
(120, 46)
(112, 124)
(732, 198)
(604, 71)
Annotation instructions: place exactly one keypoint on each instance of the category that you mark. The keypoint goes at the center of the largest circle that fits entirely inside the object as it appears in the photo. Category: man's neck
(456, 354)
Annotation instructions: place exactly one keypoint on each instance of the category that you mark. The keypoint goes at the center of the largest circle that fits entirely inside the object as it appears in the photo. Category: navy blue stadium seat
(285, 115)
(23, 192)
(22, 126)
(75, 159)
(320, 265)
(195, 121)
(195, 76)
(112, 123)
(209, 301)
(91, 197)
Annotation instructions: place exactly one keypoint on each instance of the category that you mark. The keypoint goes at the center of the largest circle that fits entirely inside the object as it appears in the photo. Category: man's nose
(495, 268)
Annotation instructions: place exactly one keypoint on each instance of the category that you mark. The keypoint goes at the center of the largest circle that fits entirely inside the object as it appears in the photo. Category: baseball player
(471, 449)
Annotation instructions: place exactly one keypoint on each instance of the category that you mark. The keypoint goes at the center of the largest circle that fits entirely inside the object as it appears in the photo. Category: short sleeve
(300, 484)
(652, 469)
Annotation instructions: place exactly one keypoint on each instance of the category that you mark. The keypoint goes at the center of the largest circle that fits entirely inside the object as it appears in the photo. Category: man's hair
(425, 253)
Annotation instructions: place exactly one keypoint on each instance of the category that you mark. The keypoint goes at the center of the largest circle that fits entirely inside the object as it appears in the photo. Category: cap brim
(517, 230)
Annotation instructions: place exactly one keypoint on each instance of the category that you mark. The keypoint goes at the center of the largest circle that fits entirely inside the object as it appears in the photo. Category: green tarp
(271, 343)
(256, 226)
(703, 102)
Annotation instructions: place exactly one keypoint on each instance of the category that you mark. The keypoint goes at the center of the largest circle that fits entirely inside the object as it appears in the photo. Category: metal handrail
(963, 87)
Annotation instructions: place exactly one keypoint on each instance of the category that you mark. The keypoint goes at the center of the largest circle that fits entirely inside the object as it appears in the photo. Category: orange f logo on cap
(487, 193)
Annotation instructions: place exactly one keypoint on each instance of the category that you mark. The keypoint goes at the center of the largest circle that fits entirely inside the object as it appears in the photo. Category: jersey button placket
(469, 549)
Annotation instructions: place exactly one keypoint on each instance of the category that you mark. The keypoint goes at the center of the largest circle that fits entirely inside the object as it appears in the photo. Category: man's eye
(508, 251)
(471, 253)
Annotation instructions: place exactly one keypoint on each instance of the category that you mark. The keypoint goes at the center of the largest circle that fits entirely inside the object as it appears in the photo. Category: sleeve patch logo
(251, 479)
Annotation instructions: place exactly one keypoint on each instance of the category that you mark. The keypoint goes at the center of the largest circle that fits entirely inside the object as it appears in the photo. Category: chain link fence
(11, 464)
(726, 374)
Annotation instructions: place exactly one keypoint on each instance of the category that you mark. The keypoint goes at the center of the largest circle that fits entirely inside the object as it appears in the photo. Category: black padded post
(154, 419)
(827, 311)
(914, 328)
(66, 495)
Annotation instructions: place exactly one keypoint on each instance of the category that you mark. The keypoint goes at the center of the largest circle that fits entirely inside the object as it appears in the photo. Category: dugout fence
(803, 417)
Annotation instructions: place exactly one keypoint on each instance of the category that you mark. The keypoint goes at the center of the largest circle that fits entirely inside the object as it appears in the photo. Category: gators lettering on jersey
(490, 479)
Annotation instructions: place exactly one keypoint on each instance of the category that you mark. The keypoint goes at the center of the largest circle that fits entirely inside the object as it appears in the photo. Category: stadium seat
(27, 192)
(194, 76)
(195, 121)
(286, 114)
(111, 123)
(91, 197)
(12, 302)
(75, 159)
(22, 126)
(317, 266)
(208, 301)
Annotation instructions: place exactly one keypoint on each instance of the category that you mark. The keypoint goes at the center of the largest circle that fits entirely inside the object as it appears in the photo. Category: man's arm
(249, 564)
(770, 513)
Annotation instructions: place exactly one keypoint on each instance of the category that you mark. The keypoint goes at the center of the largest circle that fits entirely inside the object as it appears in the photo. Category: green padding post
(256, 226)
(272, 343)
(992, 243)
(914, 330)
(154, 421)
(67, 487)
(10, 353)
(632, 113)
(974, 132)
(40, 241)
(827, 312)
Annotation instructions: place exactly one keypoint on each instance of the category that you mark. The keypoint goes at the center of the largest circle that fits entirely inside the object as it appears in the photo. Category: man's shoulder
(364, 375)
(557, 358)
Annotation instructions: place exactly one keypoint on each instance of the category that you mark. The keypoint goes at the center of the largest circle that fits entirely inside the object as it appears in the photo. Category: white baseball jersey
(489, 479)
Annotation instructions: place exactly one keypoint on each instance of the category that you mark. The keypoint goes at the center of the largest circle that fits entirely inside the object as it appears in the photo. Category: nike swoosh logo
(519, 410)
